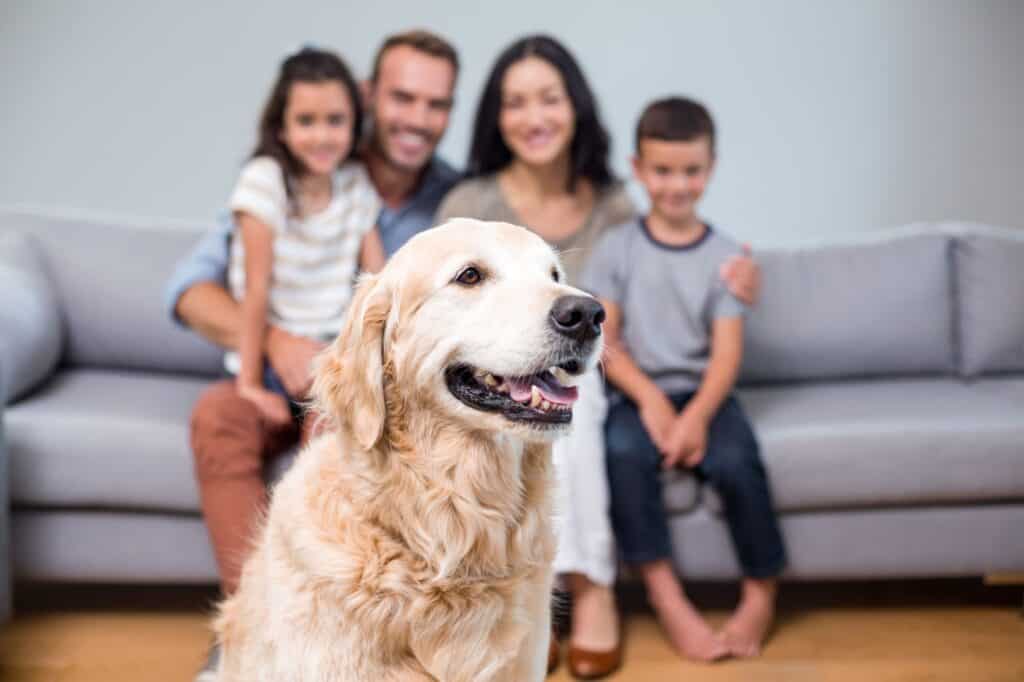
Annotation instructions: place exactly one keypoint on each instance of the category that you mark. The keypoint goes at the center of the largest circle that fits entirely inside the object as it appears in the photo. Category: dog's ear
(349, 384)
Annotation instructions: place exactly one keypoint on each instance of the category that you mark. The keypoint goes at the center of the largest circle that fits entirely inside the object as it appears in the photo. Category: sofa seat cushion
(680, 492)
(890, 442)
(104, 439)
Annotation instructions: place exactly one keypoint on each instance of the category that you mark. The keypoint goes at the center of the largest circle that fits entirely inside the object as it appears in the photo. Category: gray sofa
(884, 377)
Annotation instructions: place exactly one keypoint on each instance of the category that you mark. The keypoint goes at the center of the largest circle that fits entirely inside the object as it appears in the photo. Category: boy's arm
(656, 411)
(688, 435)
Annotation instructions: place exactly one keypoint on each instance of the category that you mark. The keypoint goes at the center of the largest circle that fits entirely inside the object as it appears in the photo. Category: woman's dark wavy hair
(308, 65)
(588, 151)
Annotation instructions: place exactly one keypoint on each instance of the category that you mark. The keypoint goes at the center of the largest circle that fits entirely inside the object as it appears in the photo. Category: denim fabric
(732, 464)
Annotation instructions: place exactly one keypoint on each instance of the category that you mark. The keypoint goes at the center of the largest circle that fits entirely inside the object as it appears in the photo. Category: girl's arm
(371, 253)
(258, 243)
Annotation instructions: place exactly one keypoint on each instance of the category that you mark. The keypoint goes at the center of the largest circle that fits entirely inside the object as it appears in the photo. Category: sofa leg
(1016, 579)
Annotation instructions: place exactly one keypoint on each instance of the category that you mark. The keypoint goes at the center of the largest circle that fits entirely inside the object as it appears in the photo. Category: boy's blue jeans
(732, 464)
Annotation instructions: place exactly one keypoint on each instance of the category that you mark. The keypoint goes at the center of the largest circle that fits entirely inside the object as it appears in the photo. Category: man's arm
(688, 435)
(656, 410)
(209, 310)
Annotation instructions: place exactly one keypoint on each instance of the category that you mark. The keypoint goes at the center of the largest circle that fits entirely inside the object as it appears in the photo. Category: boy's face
(674, 175)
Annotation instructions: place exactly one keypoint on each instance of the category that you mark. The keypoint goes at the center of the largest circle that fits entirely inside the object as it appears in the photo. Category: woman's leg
(585, 557)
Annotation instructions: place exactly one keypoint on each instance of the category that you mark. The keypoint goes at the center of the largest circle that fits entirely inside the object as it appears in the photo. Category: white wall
(834, 116)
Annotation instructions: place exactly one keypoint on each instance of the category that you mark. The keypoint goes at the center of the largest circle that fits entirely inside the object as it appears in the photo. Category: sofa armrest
(6, 556)
(31, 328)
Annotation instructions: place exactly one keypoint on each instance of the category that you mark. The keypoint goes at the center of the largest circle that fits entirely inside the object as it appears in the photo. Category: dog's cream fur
(413, 540)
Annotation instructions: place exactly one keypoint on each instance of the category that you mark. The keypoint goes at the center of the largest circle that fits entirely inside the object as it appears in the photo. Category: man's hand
(272, 406)
(657, 414)
(743, 277)
(687, 440)
(292, 359)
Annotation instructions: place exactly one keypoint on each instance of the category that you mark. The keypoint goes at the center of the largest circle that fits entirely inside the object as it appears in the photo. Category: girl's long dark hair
(588, 152)
(308, 65)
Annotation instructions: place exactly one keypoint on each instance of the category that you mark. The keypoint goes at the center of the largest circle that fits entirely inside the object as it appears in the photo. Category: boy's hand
(657, 415)
(273, 407)
(291, 357)
(687, 440)
(742, 275)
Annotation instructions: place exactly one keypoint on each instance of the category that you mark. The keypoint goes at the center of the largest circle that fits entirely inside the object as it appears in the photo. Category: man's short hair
(422, 41)
(675, 119)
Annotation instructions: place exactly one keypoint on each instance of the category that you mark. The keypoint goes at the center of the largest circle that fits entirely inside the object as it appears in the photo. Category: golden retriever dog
(413, 539)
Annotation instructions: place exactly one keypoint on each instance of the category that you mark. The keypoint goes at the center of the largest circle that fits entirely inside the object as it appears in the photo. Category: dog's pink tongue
(519, 389)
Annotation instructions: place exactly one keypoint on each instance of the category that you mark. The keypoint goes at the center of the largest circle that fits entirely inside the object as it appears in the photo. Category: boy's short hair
(422, 41)
(676, 119)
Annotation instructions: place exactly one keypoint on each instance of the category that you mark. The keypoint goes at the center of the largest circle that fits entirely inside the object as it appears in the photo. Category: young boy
(675, 340)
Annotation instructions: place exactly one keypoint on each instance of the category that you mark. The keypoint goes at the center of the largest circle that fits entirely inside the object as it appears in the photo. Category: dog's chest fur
(367, 586)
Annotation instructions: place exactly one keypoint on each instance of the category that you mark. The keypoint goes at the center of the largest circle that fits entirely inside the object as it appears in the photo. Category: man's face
(411, 103)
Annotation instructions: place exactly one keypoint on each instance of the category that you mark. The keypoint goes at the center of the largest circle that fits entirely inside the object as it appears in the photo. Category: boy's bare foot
(691, 635)
(746, 629)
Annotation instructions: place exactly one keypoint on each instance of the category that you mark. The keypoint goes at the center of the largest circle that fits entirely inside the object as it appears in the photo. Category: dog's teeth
(545, 405)
(490, 381)
(535, 397)
(479, 373)
(563, 377)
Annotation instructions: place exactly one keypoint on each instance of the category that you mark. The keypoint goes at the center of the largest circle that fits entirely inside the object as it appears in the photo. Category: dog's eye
(554, 274)
(470, 277)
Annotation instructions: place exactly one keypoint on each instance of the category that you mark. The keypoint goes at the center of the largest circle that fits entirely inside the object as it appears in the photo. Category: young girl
(305, 215)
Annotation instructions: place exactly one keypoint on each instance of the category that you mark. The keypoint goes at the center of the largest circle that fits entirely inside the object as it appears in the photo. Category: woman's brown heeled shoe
(594, 665)
(554, 653)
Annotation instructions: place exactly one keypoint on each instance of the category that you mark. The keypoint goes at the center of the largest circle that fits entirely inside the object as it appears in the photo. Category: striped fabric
(315, 257)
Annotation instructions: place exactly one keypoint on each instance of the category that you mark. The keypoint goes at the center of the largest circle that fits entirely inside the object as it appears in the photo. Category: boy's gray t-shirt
(669, 296)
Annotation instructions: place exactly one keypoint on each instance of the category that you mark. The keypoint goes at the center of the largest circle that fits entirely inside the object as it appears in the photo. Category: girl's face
(318, 121)
(537, 119)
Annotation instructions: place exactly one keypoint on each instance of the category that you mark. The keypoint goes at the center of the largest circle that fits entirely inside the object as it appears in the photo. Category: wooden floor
(933, 631)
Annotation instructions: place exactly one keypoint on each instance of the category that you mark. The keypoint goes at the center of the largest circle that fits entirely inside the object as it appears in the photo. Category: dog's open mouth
(545, 398)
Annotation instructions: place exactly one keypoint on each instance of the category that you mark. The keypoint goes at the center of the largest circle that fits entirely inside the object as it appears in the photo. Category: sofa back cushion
(880, 306)
(990, 298)
(109, 279)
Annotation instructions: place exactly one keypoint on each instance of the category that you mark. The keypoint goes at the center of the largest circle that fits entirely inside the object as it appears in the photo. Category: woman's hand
(742, 275)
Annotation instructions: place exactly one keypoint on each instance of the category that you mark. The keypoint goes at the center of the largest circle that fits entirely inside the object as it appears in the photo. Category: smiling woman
(539, 157)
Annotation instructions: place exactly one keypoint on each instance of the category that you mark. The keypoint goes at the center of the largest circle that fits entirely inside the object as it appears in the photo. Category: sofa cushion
(877, 307)
(990, 296)
(890, 442)
(30, 326)
(104, 439)
(109, 280)
(679, 491)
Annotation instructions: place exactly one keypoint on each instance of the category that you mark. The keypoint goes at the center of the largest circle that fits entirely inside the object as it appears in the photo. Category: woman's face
(537, 119)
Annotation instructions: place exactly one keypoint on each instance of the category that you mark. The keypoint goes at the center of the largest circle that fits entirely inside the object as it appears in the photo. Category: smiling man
(409, 96)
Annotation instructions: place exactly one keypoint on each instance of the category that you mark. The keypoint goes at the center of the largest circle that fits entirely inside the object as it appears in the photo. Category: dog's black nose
(578, 317)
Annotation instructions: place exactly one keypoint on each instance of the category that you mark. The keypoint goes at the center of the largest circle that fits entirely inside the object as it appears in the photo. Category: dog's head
(471, 321)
